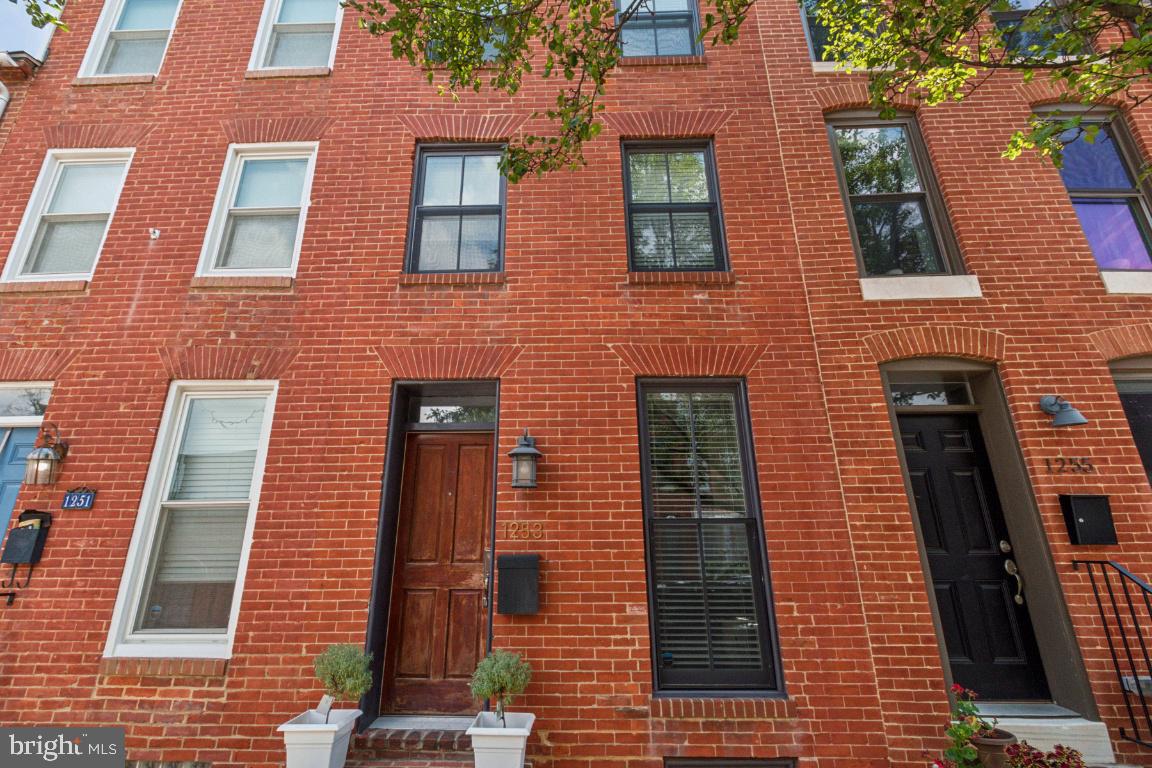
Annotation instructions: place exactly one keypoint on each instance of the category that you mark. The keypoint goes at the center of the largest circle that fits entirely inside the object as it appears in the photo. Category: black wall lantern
(43, 463)
(524, 457)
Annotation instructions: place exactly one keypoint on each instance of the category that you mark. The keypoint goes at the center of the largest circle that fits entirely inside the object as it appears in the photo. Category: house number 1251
(1061, 464)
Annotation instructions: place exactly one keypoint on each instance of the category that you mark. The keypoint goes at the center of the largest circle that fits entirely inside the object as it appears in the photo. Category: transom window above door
(131, 37)
(457, 211)
(297, 33)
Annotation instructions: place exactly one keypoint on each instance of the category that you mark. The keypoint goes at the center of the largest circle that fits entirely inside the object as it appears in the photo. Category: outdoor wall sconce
(1063, 414)
(524, 457)
(43, 463)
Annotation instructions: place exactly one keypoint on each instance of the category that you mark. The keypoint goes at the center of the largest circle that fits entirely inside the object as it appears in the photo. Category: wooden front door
(987, 630)
(438, 616)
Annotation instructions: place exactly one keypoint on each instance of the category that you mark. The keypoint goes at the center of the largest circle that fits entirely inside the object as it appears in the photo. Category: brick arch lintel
(668, 124)
(237, 363)
(463, 127)
(1123, 341)
(33, 363)
(448, 361)
(690, 359)
(269, 130)
(853, 95)
(936, 341)
(95, 135)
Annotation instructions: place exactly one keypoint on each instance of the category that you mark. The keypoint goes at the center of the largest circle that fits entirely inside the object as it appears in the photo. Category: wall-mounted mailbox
(1089, 519)
(25, 543)
(519, 584)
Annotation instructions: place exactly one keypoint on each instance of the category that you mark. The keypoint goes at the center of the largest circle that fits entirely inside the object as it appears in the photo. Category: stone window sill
(270, 74)
(452, 278)
(44, 286)
(660, 61)
(912, 287)
(115, 80)
(242, 283)
(1127, 282)
(667, 278)
(141, 667)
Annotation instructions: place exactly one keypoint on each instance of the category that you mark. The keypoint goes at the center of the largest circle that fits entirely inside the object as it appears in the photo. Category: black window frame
(416, 214)
(734, 683)
(939, 222)
(714, 208)
(653, 17)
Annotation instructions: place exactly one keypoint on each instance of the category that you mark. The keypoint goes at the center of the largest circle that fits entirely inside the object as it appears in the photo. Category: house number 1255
(1062, 464)
(514, 530)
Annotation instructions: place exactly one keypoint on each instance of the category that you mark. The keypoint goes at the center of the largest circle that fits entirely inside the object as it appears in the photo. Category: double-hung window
(674, 219)
(658, 28)
(180, 591)
(897, 217)
(131, 37)
(297, 33)
(1030, 28)
(818, 34)
(68, 215)
(258, 222)
(711, 623)
(1108, 200)
(458, 211)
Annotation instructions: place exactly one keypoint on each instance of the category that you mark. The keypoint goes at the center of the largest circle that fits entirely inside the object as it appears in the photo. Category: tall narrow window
(68, 214)
(180, 585)
(1136, 397)
(458, 212)
(894, 210)
(659, 28)
(1109, 202)
(297, 33)
(673, 208)
(710, 618)
(131, 37)
(261, 206)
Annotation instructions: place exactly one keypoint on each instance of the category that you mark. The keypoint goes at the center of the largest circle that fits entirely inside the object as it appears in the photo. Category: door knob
(1013, 570)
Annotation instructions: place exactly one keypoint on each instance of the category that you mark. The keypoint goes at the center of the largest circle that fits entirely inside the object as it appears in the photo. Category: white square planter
(312, 743)
(495, 746)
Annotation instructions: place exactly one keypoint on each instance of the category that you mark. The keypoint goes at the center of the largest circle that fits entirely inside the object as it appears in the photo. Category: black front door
(987, 630)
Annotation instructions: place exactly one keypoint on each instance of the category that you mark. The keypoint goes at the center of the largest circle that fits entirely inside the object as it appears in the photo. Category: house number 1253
(1062, 464)
(514, 530)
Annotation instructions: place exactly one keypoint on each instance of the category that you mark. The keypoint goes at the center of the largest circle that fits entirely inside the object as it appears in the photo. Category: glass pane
(638, 38)
(877, 160)
(693, 235)
(193, 577)
(895, 238)
(652, 241)
(674, 38)
(218, 452)
(147, 14)
(456, 414)
(930, 393)
(481, 180)
(1032, 36)
(299, 49)
(1112, 231)
(259, 242)
(689, 176)
(480, 243)
(65, 247)
(305, 11)
(819, 34)
(439, 244)
(734, 625)
(666, 6)
(442, 180)
(648, 177)
(86, 188)
(24, 402)
(271, 183)
(140, 56)
(1136, 397)
(678, 591)
(1094, 166)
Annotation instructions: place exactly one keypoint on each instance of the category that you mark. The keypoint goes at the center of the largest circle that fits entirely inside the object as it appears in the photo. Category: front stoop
(410, 748)
(1089, 737)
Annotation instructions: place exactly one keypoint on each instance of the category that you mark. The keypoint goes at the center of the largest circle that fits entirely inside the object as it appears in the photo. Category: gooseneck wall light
(43, 463)
(524, 457)
(1063, 414)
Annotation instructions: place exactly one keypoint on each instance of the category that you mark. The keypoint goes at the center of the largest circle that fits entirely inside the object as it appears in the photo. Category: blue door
(15, 445)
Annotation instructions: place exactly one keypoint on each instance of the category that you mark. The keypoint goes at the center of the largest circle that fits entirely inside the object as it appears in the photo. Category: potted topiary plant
(500, 738)
(319, 737)
(975, 741)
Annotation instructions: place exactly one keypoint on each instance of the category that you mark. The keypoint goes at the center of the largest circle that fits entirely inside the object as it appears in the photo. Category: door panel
(989, 637)
(15, 445)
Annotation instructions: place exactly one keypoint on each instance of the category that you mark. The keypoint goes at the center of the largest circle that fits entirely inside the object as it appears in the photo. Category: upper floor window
(258, 222)
(673, 208)
(131, 37)
(660, 28)
(1029, 29)
(896, 215)
(818, 34)
(297, 33)
(67, 218)
(457, 211)
(1136, 398)
(1110, 203)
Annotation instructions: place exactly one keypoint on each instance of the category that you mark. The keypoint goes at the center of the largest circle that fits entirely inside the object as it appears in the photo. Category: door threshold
(1024, 709)
(422, 723)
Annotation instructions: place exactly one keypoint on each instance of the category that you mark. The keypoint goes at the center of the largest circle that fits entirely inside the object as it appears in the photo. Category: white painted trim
(264, 37)
(229, 178)
(45, 185)
(217, 645)
(99, 40)
(905, 287)
(1127, 282)
(16, 422)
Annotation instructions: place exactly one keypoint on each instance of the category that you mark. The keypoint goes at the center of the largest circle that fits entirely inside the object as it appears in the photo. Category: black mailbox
(24, 545)
(1089, 519)
(519, 584)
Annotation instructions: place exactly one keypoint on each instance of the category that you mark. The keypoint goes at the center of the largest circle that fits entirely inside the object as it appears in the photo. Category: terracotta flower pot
(992, 748)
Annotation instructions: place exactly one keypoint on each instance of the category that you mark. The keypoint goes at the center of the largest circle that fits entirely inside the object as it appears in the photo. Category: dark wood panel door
(438, 617)
(988, 633)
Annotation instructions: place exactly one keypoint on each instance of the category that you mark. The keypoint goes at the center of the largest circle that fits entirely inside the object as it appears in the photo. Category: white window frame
(123, 641)
(101, 36)
(42, 193)
(264, 38)
(16, 422)
(229, 179)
